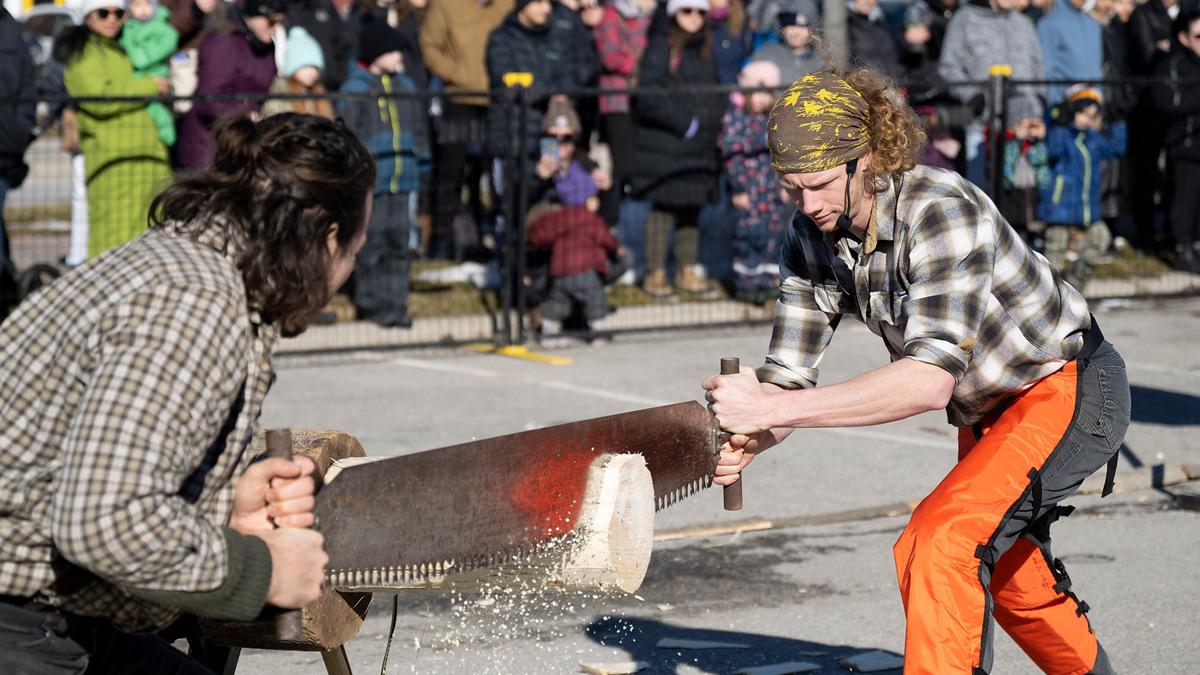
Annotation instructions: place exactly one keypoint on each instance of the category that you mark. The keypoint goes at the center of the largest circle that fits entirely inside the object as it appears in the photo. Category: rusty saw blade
(412, 518)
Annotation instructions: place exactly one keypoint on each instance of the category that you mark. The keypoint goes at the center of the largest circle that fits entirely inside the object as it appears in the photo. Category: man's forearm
(896, 391)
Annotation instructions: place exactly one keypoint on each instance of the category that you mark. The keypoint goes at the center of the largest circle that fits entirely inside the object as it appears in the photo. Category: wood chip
(621, 668)
(673, 643)
(871, 662)
(788, 668)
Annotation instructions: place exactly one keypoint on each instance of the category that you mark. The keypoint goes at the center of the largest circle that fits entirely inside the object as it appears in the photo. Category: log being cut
(608, 548)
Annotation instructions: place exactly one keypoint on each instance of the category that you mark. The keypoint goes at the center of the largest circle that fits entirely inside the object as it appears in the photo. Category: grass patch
(22, 216)
(1131, 263)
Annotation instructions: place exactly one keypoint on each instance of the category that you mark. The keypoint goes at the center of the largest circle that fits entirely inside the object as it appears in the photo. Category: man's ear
(331, 239)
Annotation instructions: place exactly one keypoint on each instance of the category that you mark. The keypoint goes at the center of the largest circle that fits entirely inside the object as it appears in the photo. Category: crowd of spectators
(681, 180)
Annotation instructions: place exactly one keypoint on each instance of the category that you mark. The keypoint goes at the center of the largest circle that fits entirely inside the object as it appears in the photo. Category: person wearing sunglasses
(125, 160)
(240, 60)
(675, 160)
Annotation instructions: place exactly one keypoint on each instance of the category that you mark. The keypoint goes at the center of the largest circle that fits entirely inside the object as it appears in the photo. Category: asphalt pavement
(800, 590)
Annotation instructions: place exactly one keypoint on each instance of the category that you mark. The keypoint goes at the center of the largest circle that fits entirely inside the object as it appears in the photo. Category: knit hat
(520, 5)
(89, 6)
(760, 74)
(263, 7)
(673, 6)
(376, 38)
(300, 50)
(799, 13)
(820, 122)
(1082, 94)
(561, 116)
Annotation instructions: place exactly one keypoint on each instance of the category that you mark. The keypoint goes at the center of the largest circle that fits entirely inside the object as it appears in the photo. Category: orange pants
(979, 544)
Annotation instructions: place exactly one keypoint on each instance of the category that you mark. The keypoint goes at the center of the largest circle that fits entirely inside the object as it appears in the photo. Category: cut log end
(615, 533)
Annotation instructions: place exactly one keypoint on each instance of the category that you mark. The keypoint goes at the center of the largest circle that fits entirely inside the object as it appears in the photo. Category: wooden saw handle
(731, 365)
(288, 623)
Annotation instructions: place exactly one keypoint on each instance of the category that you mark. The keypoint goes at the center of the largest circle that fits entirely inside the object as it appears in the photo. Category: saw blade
(418, 517)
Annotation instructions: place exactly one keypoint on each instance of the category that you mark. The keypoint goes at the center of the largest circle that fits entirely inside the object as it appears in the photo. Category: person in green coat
(125, 160)
(149, 41)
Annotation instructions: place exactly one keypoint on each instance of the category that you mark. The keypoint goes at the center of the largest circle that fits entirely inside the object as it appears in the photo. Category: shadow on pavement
(1160, 406)
(639, 637)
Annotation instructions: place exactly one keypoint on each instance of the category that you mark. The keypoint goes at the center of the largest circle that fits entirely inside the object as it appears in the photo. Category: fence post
(518, 226)
(1000, 78)
(514, 84)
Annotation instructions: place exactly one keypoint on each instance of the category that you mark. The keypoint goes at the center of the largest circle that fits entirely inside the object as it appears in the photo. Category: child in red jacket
(580, 244)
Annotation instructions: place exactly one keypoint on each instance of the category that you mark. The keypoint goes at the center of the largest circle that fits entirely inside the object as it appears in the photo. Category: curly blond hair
(895, 133)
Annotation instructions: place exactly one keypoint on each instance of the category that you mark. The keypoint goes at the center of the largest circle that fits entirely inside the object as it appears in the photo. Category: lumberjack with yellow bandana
(977, 325)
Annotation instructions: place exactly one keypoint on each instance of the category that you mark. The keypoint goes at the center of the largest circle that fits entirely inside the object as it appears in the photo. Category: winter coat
(1073, 195)
(574, 42)
(1119, 99)
(454, 39)
(513, 48)
(620, 43)
(150, 44)
(1181, 105)
(729, 50)
(394, 129)
(669, 169)
(110, 131)
(871, 43)
(337, 36)
(759, 229)
(17, 120)
(227, 64)
(1072, 47)
(579, 240)
(747, 156)
(978, 37)
(792, 65)
(1034, 152)
(1149, 24)
(125, 161)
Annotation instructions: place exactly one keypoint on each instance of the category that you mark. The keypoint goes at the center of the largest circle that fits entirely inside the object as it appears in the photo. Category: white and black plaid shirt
(944, 280)
(129, 391)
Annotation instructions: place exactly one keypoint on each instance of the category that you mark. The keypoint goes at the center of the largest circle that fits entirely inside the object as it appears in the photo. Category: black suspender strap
(1110, 476)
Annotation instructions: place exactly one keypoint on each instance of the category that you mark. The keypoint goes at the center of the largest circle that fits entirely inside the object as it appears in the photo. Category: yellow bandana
(819, 123)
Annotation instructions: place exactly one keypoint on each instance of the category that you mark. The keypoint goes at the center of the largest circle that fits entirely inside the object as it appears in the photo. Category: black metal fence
(523, 223)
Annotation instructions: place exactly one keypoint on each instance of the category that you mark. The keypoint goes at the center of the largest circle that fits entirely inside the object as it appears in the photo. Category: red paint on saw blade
(548, 492)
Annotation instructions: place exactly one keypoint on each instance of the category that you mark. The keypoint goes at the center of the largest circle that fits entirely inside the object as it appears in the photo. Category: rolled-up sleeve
(950, 271)
(802, 330)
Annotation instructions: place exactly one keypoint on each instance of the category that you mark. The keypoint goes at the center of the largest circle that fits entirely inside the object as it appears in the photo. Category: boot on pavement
(656, 285)
(692, 279)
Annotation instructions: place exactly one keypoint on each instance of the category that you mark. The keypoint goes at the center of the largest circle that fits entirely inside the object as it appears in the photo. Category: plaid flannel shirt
(943, 279)
(130, 390)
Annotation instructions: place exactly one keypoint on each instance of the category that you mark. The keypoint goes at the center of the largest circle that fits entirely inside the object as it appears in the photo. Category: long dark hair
(69, 43)
(277, 187)
(680, 40)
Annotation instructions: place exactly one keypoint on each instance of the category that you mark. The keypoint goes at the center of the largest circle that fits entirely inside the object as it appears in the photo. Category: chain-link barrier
(559, 217)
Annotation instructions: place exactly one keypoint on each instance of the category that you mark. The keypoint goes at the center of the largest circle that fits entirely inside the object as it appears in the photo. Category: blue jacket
(1073, 195)
(1072, 47)
(394, 129)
